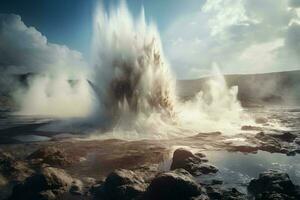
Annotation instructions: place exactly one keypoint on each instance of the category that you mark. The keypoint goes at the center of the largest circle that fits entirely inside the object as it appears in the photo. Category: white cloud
(243, 36)
(24, 49)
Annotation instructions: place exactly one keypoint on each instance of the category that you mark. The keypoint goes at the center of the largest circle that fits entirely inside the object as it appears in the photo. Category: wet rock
(147, 172)
(233, 194)
(214, 193)
(13, 169)
(273, 185)
(216, 182)
(286, 137)
(193, 163)
(49, 181)
(251, 128)
(220, 194)
(291, 153)
(177, 184)
(269, 143)
(49, 155)
(297, 141)
(206, 169)
(261, 120)
(121, 184)
(180, 158)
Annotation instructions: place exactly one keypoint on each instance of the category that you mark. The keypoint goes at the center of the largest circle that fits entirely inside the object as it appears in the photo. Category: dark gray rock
(273, 184)
(216, 193)
(193, 163)
(49, 181)
(175, 185)
(286, 137)
(269, 143)
(121, 184)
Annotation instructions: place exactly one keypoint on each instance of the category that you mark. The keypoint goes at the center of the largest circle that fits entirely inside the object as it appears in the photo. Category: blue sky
(241, 36)
(69, 22)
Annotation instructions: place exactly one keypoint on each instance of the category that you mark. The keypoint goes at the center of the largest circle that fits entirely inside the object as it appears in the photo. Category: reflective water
(237, 169)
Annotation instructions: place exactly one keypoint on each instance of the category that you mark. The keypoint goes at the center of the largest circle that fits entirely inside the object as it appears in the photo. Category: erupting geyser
(131, 74)
(136, 88)
(133, 87)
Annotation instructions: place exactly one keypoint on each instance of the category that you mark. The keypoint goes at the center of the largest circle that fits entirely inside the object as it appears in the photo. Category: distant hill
(269, 88)
(254, 89)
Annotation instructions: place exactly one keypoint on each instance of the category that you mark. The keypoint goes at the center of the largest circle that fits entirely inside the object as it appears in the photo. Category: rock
(286, 137)
(221, 194)
(76, 188)
(261, 120)
(274, 196)
(177, 184)
(49, 179)
(273, 184)
(269, 143)
(193, 163)
(297, 141)
(13, 169)
(251, 128)
(46, 195)
(49, 155)
(214, 193)
(121, 184)
(233, 194)
(180, 157)
(216, 182)
(206, 169)
(291, 153)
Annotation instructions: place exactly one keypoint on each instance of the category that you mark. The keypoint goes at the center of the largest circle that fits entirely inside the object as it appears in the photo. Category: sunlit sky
(241, 36)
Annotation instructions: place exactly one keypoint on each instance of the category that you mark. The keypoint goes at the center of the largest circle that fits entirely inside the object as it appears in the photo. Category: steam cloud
(24, 50)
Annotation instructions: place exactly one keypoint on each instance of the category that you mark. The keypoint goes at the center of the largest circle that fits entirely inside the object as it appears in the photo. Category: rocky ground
(117, 169)
(113, 169)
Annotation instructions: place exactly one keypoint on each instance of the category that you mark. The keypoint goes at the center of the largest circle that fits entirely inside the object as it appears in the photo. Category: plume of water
(134, 87)
(137, 89)
(131, 74)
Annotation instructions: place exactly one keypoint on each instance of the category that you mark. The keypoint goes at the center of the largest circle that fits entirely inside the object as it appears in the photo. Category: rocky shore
(48, 173)
(64, 167)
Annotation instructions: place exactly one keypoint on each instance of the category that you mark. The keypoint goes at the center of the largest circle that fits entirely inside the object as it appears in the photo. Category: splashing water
(137, 90)
(132, 76)
(132, 88)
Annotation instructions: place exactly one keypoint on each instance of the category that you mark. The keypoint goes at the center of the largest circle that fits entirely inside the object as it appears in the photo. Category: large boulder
(48, 182)
(121, 184)
(193, 163)
(271, 184)
(177, 184)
